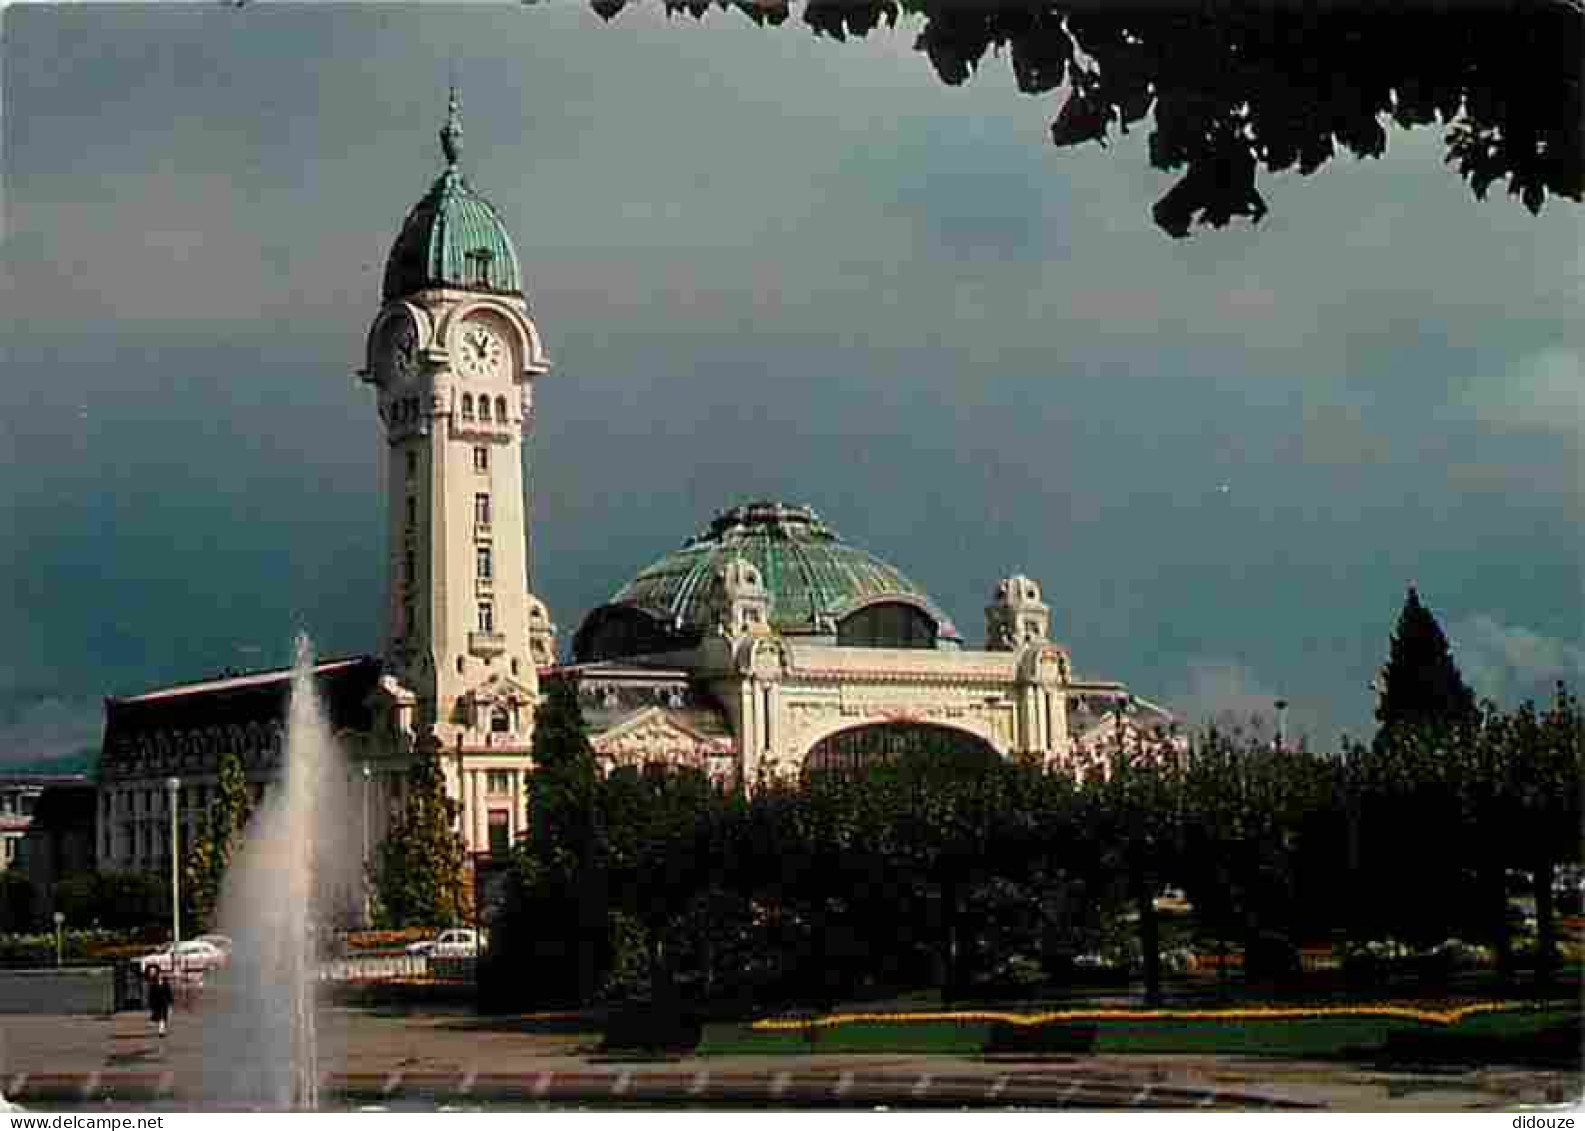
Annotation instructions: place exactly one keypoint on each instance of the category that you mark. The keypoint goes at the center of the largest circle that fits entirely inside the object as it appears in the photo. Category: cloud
(44, 727)
(1542, 391)
(1509, 663)
(1221, 691)
(1225, 692)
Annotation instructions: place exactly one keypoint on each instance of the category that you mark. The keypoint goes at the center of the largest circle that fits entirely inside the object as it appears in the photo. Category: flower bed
(1425, 1015)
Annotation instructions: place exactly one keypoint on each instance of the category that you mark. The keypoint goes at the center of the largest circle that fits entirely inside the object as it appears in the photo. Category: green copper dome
(815, 579)
(453, 237)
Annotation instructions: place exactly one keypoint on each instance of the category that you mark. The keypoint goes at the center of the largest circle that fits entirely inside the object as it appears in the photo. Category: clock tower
(452, 357)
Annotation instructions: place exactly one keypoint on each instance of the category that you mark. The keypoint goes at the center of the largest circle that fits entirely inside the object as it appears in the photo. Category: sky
(765, 264)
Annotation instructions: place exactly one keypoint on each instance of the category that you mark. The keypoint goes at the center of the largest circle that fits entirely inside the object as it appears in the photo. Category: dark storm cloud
(765, 264)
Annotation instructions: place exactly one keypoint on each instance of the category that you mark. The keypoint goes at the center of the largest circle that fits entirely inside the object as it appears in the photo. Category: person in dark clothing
(160, 998)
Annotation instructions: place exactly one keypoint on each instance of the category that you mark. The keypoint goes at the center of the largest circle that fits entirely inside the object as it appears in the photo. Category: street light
(173, 787)
(60, 919)
(1282, 723)
(364, 880)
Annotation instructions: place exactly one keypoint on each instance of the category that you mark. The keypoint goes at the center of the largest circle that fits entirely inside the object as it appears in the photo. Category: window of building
(498, 781)
(486, 616)
(479, 263)
(481, 509)
(484, 566)
(484, 408)
(481, 459)
(501, 721)
(467, 406)
(409, 567)
(7, 804)
(25, 804)
(412, 465)
(500, 832)
(412, 510)
(500, 409)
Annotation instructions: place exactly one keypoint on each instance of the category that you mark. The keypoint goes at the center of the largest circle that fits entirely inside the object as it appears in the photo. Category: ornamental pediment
(655, 734)
(499, 691)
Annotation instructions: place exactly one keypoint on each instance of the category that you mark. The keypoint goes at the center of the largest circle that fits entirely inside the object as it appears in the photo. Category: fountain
(262, 1045)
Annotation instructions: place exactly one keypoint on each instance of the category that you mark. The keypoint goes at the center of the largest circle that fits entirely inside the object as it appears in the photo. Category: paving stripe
(844, 1082)
(701, 1081)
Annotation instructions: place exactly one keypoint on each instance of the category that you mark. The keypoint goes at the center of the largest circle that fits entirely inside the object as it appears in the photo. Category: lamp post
(60, 920)
(364, 883)
(173, 788)
(1282, 723)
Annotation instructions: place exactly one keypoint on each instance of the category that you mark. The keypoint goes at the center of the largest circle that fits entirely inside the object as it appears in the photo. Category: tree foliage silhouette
(1284, 86)
(1421, 684)
(421, 879)
(218, 839)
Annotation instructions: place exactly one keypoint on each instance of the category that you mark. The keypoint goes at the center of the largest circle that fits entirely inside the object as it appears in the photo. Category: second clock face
(483, 351)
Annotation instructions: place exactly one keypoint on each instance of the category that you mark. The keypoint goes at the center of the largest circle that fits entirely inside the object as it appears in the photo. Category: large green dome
(814, 578)
(453, 237)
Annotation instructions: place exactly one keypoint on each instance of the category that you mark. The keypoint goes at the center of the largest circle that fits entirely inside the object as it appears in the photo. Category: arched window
(501, 720)
(500, 409)
(888, 624)
(484, 408)
(920, 745)
(467, 406)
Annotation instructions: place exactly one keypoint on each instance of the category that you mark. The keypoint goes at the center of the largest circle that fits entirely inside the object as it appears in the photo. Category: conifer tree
(421, 879)
(560, 733)
(1421, 684)
(218, 839)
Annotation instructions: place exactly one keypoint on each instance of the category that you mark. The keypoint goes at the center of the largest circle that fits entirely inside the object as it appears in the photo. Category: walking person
(160, 998)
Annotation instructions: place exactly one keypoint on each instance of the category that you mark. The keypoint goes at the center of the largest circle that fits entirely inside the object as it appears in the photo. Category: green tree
(1421, 684)
(553, 943)
(1135, 813)
(421, 877)
(16, 902)
(1547, 783)
(664, 854)
(218, 838)
(1262, 833)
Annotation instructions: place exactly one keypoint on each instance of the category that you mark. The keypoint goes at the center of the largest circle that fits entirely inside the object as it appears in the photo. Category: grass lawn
(1528, 1036)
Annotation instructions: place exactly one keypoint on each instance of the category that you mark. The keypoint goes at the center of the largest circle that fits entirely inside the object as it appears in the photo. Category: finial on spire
(451, 132)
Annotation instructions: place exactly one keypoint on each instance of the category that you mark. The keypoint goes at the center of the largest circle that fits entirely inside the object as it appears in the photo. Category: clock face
(482, 352)
(399, 356)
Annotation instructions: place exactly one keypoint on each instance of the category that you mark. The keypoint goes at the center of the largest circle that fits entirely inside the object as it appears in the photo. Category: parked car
(459, 942)
(191, 956)
(222, 943)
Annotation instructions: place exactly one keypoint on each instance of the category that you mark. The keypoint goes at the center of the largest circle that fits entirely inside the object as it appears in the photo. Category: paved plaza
(440, 1058)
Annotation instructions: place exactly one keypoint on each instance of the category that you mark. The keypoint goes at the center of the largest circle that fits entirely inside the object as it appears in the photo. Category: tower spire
(451, 132)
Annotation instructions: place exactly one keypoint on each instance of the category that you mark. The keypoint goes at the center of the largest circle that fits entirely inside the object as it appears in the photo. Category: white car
(194, 955)
(459, 942)
(222, 943)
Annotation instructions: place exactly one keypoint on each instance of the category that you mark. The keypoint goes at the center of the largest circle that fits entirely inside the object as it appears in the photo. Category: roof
(453, 237)
(814, 578)
(345, 685)
(238, 681)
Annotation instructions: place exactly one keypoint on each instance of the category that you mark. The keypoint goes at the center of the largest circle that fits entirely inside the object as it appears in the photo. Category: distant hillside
(83, 761)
